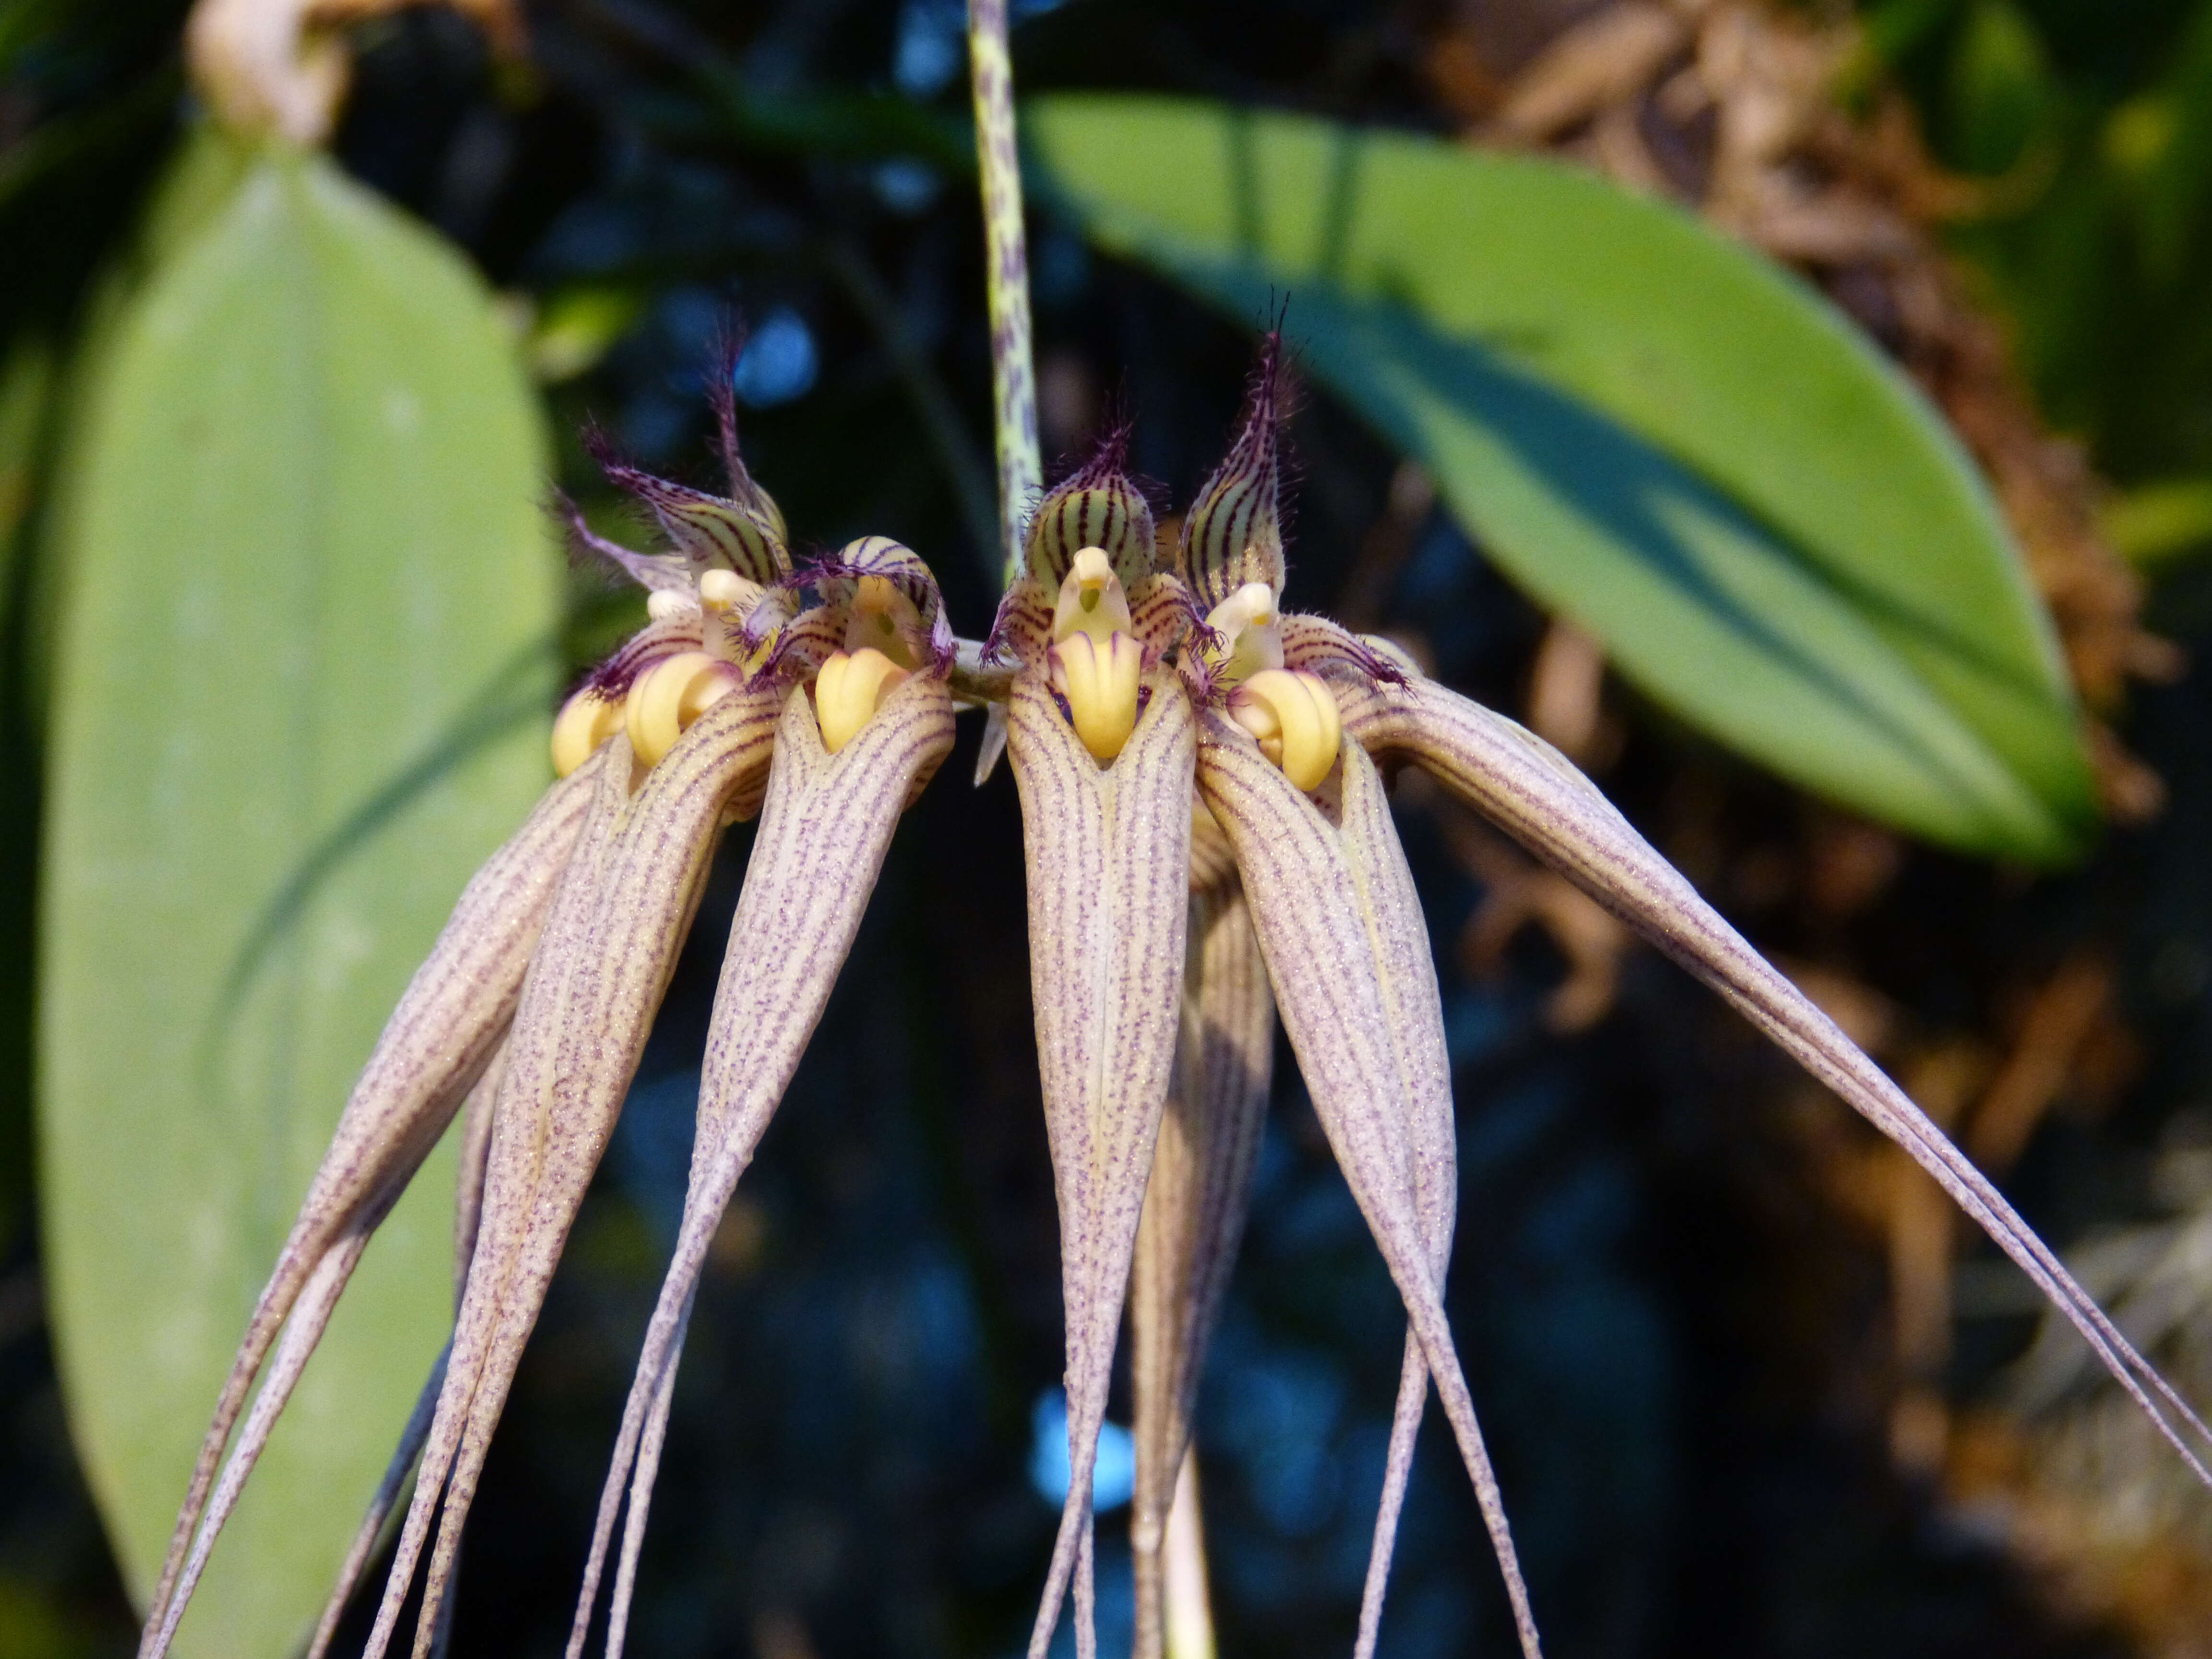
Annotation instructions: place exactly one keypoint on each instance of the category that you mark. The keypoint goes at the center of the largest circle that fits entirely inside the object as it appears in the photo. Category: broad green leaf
(1648, 427)
(298, 696)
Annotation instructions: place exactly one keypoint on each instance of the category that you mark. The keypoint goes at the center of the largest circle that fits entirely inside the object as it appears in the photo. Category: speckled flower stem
(1007, 274)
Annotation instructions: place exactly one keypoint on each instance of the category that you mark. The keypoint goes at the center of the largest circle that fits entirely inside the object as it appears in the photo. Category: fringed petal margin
(1194, 1217)
(1322, 907)
(610, 946)
(824, 830)
(1531, 791)
(1108, 854)
(449, 1021)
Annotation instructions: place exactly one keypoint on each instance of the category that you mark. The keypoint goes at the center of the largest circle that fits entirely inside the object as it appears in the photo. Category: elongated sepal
(1096, 506)
(1107, 850)
(609, 947)
(439, 1040)
(712, 532)
(1234, 532)
(1329, 896)
(1398, 932)
(1534, 793)
(1195, 1209)
(824, 830)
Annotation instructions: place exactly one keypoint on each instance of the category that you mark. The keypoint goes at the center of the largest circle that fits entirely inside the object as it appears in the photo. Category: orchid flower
(1208, 847)
(1200, 785)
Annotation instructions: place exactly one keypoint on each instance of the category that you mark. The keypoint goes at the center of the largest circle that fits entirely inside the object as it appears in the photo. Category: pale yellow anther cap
(851, 686)
(1100, 683)
(586, 720)
(1294, 717)
(668, 697)
(1251, 641)
(1091, 569)
(1091, 600)
(722, 590)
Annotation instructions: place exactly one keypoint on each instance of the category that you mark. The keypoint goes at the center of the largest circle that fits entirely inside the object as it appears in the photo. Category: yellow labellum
(586, 720)
(1294, 717)
(669, 697)
(1099, 681)
(850, 688)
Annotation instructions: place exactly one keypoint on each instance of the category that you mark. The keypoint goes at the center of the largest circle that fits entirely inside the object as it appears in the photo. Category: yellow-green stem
(1007, 274)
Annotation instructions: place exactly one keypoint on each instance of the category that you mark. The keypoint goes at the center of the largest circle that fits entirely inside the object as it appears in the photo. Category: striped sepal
(1097, 505)
(1234, 534)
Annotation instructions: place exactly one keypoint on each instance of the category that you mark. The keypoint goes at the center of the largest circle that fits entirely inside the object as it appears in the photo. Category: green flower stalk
(1208, 847)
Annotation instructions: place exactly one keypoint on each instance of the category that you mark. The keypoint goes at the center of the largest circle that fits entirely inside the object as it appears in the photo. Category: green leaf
(298, 696)
(1648, 427)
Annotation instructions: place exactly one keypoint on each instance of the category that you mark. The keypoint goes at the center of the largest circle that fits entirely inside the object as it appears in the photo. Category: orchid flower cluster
(1202, 777)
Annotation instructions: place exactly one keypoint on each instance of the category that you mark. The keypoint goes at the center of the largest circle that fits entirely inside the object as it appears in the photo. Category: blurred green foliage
(2088, 128)
(300, 693)
(1651, 430)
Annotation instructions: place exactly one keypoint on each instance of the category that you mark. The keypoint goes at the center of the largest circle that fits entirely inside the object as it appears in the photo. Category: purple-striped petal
(442, 1035)
(610, 945)
(1194, 1208)
(1326, 895)
(824, 832)
(1108, 854)
(1531, 790)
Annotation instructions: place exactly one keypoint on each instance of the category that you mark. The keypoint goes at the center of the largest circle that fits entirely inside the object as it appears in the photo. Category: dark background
(1676, 1317)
